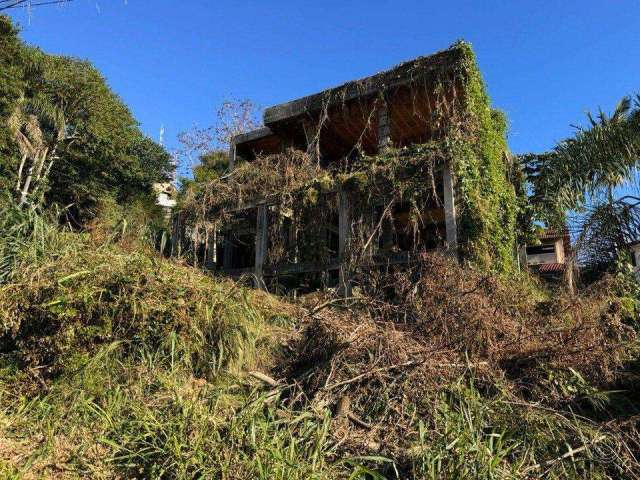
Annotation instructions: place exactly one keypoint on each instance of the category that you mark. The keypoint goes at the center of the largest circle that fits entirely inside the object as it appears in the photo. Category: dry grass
(117, 363)
(389, 362)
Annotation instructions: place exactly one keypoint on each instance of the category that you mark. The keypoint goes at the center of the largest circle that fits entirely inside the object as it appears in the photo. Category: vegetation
(116, 362)
(66, 136)
(592, 174)
(130, 356)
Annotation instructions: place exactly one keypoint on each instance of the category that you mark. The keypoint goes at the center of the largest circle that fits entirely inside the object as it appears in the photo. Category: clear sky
(174, 61)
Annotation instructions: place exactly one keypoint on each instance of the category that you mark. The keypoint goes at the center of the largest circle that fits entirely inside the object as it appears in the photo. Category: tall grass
(25, 234)
(118, 363)
(135, 416)
(498, 436)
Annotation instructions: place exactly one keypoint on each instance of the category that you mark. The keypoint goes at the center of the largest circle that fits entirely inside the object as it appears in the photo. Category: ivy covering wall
(479, 154)
(470, 136)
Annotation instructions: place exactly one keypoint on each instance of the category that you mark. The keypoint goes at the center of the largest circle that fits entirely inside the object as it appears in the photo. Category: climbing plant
(463, 131)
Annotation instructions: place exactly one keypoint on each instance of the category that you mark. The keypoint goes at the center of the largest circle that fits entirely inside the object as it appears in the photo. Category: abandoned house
(367, 175)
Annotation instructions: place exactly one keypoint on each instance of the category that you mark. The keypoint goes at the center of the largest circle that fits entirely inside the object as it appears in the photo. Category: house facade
(551, 257)
(398, 171)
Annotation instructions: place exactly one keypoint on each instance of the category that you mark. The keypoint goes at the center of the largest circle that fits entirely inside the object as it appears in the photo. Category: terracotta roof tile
(550, 267)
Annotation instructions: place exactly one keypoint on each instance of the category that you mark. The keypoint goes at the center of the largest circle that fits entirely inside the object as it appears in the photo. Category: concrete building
(416, 103)
(551, 257)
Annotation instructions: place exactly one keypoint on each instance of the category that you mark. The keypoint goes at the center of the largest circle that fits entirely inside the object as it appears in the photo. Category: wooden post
(451, 221)
(292, 239)
(384, 128)
(261, 245)
(570, 268)
(344, 241)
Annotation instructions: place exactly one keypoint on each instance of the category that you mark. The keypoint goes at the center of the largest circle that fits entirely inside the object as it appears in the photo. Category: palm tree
(38, 128)
(584, 174)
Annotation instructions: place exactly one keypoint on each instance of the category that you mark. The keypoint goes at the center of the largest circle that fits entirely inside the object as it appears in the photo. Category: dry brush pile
(533, 364)
(118, 363)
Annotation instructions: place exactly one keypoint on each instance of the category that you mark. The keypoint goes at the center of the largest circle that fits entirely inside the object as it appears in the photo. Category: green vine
(479, 154)
(470, 136)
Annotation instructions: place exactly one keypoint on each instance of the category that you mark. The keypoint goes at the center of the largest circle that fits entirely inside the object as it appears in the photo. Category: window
(541, 249)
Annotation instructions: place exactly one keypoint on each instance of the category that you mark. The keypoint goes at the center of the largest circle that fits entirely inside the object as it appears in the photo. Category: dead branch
(570, 453)
(264, 378)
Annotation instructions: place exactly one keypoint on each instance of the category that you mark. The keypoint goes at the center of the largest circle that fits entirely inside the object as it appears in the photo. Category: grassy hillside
(117, 363)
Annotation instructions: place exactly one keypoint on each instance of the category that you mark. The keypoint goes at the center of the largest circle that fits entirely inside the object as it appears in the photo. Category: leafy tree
(11, 88)
(212, 165)
(67, 136)
(156, 163)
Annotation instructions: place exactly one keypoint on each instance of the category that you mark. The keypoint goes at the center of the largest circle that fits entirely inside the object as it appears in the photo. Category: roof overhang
(403, 74)
(257, 134)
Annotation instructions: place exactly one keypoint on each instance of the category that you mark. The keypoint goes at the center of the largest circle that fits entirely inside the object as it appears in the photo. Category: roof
(429, 66)
(550, 234)
(256, 134)
(549, 267)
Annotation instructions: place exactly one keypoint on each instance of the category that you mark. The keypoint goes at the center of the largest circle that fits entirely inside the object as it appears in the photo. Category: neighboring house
(634, 250)
(165, 197)
(551, 257)
(165, 194)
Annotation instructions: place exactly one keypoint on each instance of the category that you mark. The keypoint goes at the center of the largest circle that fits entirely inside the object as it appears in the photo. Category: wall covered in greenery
(481, 163)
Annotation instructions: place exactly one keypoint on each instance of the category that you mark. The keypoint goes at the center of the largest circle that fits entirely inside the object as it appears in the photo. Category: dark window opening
(243, 250)
(409, 230)
(219, 257)
(541, 249)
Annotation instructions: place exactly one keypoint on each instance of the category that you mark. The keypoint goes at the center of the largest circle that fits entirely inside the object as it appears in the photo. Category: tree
(66, 137)
(204, 151)
(590, 174)
(212, 165)
(11, 87)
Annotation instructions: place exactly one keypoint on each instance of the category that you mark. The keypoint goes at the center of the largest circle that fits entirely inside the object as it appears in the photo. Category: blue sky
(173, 62)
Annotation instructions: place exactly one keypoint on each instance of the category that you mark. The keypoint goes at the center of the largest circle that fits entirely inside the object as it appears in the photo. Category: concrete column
(450, 208)
(384, 128)
(232, 154)
(344, 241)
(212, 249)
(227, 254)
(261, 245)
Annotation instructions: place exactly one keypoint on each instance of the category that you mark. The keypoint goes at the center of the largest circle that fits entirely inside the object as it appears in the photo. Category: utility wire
(7, 4)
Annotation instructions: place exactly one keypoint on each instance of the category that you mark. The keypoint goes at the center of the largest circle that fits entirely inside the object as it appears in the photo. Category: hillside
(118, 363)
